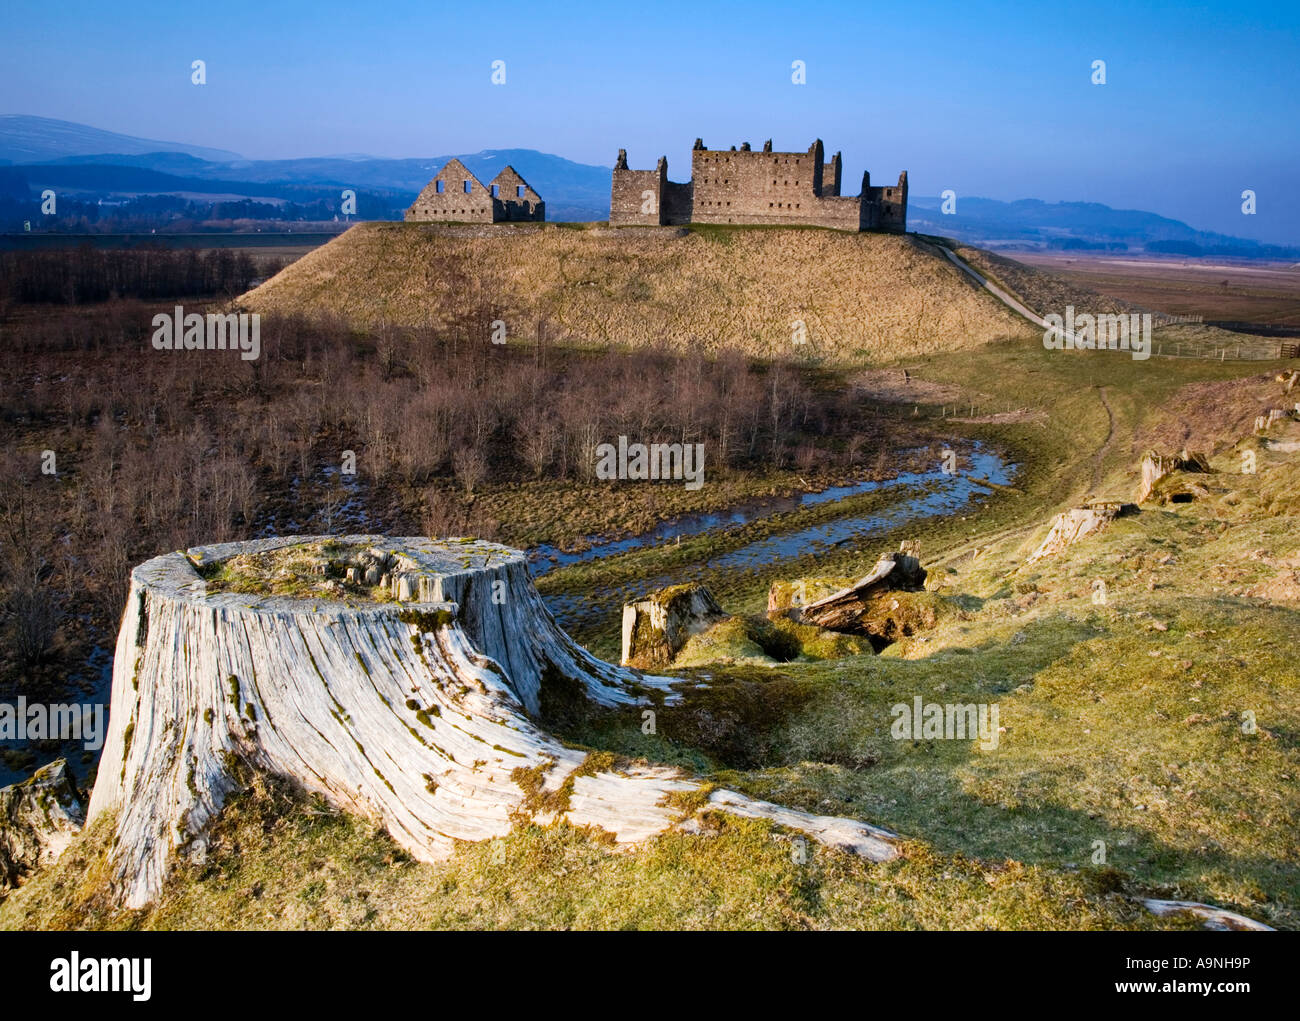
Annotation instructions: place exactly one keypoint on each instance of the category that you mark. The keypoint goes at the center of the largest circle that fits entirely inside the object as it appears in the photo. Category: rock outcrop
(38, 819)
(656, 628)
(419, 715)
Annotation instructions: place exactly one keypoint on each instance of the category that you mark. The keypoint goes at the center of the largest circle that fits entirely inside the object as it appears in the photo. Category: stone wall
(465, 199)
(891, 202)
(636, 196)
(454, 202)
(513, 200)
(844, 213)
(741, 186)
(831, 173)
(678, 202)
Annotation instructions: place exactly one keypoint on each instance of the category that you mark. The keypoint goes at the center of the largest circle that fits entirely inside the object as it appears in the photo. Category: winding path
(1104, 449)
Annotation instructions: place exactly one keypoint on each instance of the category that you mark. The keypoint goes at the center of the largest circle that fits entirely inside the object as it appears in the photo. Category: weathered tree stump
(1155, 466)
(38, 819)
(1070, 526)
(419, 715)
(656, 628)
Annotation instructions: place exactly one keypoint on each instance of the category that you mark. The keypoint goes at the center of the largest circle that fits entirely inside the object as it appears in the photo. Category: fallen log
(843, 610)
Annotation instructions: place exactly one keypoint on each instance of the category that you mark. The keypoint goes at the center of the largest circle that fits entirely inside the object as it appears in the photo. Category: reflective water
(937, 493)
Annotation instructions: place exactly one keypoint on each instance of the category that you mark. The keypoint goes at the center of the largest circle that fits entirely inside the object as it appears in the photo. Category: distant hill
(26, 139)
(46, 150)
(573, 191)
(1076, 226)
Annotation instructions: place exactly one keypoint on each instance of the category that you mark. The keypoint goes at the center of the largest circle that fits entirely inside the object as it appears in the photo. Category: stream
(942, 494)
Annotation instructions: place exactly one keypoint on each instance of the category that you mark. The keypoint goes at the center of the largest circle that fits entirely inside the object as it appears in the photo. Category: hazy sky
(1200, 102)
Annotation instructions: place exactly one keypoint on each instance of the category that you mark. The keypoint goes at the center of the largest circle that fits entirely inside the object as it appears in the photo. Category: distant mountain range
(101, 169)
(1076, 226)
(70, 157)
(25, 139)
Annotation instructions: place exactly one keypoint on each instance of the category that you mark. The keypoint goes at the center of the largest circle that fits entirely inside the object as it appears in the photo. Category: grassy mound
(856, 294)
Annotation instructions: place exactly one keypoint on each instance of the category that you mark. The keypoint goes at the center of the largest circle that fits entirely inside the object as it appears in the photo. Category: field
(1246, 292)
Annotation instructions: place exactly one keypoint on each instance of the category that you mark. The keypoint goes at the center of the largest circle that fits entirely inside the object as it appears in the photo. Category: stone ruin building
(742, 186)
(458, 196)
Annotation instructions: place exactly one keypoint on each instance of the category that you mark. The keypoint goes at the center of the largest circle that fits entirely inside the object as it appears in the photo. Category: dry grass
(859, 295)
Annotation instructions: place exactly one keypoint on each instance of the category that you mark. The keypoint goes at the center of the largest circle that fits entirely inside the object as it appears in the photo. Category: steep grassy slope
(704, 289)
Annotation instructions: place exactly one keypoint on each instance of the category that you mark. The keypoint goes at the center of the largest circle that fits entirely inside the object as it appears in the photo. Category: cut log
(656, 628)
(418, 715)
(845, 609)
(38, 819)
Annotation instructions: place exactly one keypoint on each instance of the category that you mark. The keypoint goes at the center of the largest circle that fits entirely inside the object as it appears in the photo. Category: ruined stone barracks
(742, 186)
(457, 196)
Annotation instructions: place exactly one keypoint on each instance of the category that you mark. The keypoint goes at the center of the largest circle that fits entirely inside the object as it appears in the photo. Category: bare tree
(33, 611)
(470, 465)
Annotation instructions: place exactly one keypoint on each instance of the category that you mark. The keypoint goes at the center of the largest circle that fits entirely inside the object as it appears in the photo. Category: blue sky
(1201, 101)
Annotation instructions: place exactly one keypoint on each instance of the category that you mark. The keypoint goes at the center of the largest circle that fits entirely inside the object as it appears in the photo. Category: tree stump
(656, 628)
(417, 714)
(1155, 466)
(38, 819)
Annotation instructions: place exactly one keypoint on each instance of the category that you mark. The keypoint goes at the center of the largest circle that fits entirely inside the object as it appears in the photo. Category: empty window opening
(469, 186)
(440, 186)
